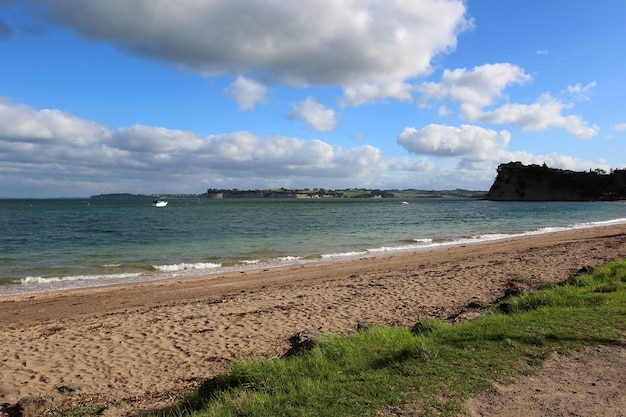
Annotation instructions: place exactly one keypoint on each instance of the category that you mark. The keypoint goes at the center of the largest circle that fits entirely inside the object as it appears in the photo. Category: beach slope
(137, 346)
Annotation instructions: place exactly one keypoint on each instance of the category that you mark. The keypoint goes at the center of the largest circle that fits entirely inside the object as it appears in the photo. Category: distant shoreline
(306, 193)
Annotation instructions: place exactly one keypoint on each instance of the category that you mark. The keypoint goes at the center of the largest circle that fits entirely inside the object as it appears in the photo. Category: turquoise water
(71, 243)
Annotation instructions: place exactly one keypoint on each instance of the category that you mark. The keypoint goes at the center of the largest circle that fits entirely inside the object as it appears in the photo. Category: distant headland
(514, 182)
(307, 193)
(518, 182)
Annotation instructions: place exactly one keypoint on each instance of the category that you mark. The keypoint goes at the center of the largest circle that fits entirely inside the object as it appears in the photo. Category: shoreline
(137, 343)
(185, 271)
(241, 276)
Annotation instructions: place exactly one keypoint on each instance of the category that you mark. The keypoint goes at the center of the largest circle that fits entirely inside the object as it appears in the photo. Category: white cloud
(543, 114)
(48, 155)
(414, 165)
(475, 152)
(556, 160)
(154, 140)
(52, 151)
(483, 85)
(247, 92)
(466, 141)
(580, 92)
(317, 42)
(479, 86)
(314, 114)
(372, 92)
(23, 123)
(443, 111)
(362, 161)
(620, 126)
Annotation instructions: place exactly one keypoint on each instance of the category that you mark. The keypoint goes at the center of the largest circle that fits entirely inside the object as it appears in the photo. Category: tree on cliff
(518, 182)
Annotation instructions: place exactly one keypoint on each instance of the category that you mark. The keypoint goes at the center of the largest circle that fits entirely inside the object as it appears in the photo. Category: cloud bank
(479, 150)
(483, 85)
(45, 144)
(317, 42)
(50, 149)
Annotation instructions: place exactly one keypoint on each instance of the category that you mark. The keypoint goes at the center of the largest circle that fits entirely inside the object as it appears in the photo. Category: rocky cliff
(518, 182)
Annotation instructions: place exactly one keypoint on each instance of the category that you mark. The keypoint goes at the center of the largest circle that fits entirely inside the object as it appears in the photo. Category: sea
(60, 244)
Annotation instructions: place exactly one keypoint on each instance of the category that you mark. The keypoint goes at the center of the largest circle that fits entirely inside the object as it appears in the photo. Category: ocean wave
(490, 236)
(548, 229)
(344, 254)
(602, 223)
(250, 262)
(423, 240)
(399, 248)
(288, 258)
(575, 226)
(186, 266)
(48, 280)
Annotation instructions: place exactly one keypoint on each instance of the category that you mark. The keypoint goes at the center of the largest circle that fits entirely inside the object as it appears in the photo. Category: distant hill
(347, 193)
(518, 182)
(307, 193)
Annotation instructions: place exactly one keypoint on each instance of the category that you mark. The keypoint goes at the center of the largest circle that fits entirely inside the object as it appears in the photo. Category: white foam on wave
(399, 248)
(549, 229)
(428, 243)
(421, 244)
(186, 266)
(601, 223)
(288, 258)
(69, 278)
(343, 254)
(489, 236)
(423, 240)
(250, 262)
(38, 280)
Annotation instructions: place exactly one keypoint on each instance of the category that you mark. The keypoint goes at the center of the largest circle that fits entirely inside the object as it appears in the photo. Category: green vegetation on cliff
(518, 182)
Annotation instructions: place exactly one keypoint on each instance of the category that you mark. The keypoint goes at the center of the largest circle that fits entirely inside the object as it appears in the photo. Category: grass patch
(434, 366)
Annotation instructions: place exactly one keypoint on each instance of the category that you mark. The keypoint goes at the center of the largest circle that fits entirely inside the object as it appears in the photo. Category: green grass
(434, 366)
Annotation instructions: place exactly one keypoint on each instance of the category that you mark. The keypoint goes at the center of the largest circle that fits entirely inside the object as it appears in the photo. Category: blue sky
(106, 96)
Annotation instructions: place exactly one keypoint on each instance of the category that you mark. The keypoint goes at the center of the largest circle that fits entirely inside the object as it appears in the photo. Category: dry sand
(135, 347)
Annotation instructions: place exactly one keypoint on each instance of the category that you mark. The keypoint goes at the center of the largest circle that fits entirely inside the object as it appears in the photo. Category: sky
(161, 96)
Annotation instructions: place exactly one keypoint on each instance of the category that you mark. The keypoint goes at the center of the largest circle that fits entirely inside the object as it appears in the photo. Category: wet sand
(137, 346)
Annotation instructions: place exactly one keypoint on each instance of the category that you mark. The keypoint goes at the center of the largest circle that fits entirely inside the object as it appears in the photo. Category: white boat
(405, 203)
(159, 203)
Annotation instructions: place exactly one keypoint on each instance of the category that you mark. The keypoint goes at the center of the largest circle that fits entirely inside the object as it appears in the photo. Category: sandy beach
(135, 347)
